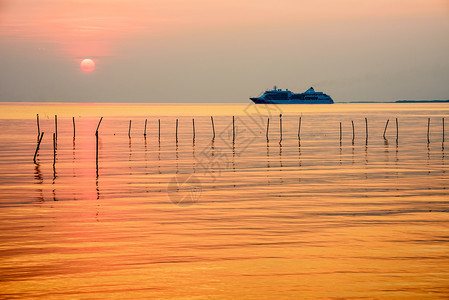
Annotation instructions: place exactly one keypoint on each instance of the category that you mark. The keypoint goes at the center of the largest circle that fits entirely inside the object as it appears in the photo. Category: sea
(224, 201)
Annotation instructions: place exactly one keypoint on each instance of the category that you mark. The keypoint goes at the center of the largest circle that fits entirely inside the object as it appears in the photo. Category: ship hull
(292, 101)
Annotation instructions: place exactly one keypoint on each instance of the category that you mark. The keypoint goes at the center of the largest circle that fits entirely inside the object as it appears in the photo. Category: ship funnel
(311, 90)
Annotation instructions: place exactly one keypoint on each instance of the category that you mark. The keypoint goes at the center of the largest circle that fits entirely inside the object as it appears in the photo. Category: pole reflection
(233, 155)
(54, 168)
(177, 158)
(193, 157)
(280, 163)
(396, 160)
(212, 169)
(268, 163)
(130, 156)
(387, 150)
(73, 158)
(340, 153)
(366, 160)
(73, 163)
(428, 158)
(159, 163)
(73, 149)
(159, 158)
(53, 183)
(443, 161)
(39, 180)
(145, 153)
(97, 187)
(366, 154)
(299, 158)
(97, 174)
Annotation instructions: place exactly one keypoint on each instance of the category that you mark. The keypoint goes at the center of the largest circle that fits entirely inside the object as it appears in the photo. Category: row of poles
(55, 137)
(353, 129)
(55, 134)
(280, 129)
(176, 128)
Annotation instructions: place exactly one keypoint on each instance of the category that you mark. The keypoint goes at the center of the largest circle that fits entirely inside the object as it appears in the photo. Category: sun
(87, 65)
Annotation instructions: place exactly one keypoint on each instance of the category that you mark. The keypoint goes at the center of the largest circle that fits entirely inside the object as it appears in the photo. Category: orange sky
(174, 35)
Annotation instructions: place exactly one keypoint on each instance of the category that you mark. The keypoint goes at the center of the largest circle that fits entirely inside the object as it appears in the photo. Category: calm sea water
(230, 217)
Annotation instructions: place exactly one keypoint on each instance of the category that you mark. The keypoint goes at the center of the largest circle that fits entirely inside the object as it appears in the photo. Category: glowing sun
(87, 65)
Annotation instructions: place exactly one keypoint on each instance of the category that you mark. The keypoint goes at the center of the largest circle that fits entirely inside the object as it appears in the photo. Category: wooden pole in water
(145, 130)
(280, 128)
(443, 130)
(159, 130)
(54, 149)
(340, 132)
(37, 148)
(129, 129)
(193, 126)
(38, 127)
(268, 126)
(299, 128)
(73, 122)
(428, 130)
(96, 151)
(213, 127)
(397, 130)
(176, 130)
(56, 126)
(233, 129)
(353, 132)
(386, 125)
(366, 129)
(96, 142)
(98, 126)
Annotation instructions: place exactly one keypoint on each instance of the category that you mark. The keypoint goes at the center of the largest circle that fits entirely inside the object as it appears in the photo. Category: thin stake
(56, 126)
(129, 129)
(37, 148)
(145, 131)
(98, 126)
(299, 128)
(193, 125)
(280, 128)
(176, 130)
(397, 130)
(96, 154)
(159, 131)
(73, 121)
(213, 127)
(54, 149)
(353, 132)
(386, 125)
(443, 130)
(340, 131)
(366, 129)
(268, 127)
(38, 127)
(428, 130)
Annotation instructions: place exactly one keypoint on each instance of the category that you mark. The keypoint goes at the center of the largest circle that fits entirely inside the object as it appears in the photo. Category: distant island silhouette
(399, 101)
(419, 101)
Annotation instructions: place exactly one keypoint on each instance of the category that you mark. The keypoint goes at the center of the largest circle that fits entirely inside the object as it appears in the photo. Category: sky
(222, 51)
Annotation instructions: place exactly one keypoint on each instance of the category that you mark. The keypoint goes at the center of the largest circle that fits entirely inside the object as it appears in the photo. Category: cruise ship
(279, 96)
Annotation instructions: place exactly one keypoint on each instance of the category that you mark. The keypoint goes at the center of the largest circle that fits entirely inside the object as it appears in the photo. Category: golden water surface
(232, 217)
